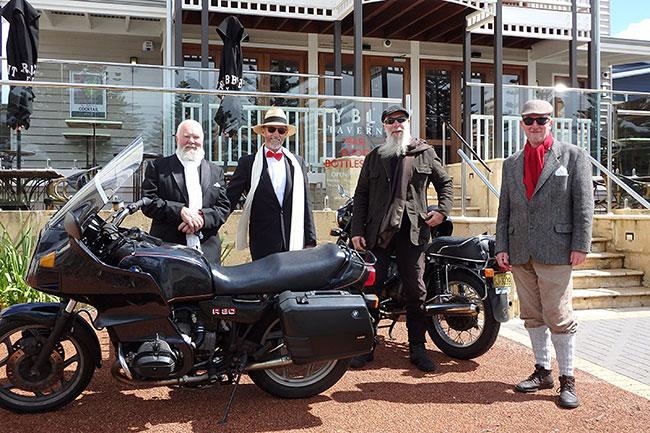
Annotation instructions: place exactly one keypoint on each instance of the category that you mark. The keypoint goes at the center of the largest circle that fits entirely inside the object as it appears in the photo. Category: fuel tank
(181, 272)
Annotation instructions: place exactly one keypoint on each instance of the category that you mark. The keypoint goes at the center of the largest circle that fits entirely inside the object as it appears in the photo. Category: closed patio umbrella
(22, 54)
(230, 112)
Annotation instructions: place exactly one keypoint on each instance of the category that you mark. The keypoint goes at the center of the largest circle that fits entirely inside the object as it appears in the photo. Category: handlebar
(132, 208)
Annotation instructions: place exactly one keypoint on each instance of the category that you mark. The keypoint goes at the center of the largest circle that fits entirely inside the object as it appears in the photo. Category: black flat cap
(394, 109)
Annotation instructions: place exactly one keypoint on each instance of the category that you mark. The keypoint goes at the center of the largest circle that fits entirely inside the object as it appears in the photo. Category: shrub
(14, 261)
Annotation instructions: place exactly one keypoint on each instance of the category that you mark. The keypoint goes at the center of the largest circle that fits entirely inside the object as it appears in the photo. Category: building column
(467, 94)
(358, 48)
(178, 33)
(498, 81)
(338, 57)
(572, 104)
(415, 89)
(205, 63)
(594, 79)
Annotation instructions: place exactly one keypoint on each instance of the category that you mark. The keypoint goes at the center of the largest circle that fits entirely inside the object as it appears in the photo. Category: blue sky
(630, 19)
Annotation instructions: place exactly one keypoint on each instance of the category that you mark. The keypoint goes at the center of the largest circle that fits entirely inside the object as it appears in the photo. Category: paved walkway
(613, 345)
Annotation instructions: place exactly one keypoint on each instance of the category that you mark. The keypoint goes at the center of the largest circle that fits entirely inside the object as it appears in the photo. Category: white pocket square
(561, 171)
(217, 184)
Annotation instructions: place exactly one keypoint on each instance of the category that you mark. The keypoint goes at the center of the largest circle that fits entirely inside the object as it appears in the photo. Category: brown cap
(536, 106)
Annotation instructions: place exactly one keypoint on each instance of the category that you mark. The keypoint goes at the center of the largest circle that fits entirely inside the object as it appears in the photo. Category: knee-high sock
(541, 342)
(565, 347)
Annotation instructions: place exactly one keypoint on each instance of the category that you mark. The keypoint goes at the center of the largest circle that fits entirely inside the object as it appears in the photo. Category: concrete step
(469, 211)
(598, 244)
(586, 299)
(598, 278)
(458, 200)
(602, 260)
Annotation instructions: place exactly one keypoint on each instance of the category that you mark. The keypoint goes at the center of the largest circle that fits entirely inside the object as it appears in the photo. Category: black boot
(568, 394)
(360, 361)
(420, 358)
(540, 379)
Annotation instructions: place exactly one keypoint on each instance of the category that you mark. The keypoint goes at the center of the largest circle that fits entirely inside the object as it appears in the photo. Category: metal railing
(620, 183)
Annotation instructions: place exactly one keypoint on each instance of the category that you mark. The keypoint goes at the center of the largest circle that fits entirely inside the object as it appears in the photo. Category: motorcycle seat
(475, 248)
(308, 269)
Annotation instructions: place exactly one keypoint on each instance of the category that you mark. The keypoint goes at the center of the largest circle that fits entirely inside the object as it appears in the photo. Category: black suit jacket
(270, 224)
(164, 183)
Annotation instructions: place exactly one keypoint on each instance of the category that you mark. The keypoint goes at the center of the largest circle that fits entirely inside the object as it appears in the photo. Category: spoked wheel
(63, 376)
(464, 337)
(292, 381)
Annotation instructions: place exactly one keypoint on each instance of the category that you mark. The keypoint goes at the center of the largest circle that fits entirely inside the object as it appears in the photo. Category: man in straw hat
(543, 230)
(277, 212)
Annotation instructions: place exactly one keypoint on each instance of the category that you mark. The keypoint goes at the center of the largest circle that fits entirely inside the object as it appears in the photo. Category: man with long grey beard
(390, 215)
(188, 193)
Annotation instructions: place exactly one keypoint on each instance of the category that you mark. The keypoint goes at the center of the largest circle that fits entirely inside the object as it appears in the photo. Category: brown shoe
(568, 394)
(540, 379)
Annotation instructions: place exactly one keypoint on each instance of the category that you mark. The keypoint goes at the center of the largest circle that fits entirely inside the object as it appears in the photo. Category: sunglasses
(272, 130)
(392, 120)
(540, 120)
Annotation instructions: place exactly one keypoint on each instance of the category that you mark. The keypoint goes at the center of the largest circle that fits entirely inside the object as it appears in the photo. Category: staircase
(602, 281)
(456, 210)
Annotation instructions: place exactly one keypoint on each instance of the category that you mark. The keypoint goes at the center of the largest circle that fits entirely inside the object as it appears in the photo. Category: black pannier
(324, 325)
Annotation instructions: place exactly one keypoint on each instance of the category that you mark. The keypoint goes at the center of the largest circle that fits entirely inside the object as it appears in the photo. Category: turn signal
(371, 276)
(47, 261)
(372, 301)
(488, 272)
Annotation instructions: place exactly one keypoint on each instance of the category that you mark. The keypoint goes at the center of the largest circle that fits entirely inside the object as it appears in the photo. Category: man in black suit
(277, 212)
(189, 195)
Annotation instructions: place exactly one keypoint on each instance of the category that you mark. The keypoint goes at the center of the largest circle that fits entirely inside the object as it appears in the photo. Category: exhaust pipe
(451, 309)
(274, 363)
(119, 375)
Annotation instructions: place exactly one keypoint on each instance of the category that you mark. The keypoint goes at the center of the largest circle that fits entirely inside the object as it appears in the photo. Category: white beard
(190, 155)
(395, 145)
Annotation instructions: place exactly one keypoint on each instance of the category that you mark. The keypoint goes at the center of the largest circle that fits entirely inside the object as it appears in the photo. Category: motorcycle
(288, 320)
(466, 289)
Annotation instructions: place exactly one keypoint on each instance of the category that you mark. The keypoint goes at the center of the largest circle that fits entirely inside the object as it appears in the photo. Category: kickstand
(390, 329)
(240, 369)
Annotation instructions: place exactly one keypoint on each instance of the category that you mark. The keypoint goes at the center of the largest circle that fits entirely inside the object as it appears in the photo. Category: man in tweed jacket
(543, 230)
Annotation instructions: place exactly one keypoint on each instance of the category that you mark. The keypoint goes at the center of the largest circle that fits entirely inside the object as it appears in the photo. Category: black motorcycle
(466, 290)
(288, 320)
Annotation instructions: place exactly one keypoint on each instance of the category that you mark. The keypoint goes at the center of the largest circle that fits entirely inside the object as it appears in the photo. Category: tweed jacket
(373, 194)
(164, 183)
(559, 216)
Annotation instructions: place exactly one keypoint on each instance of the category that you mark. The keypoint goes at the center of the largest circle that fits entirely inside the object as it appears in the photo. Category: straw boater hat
(275, 117)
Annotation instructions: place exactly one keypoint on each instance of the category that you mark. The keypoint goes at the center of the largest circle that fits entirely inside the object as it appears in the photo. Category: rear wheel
(64, 375)
(292, 381)
(463, 337)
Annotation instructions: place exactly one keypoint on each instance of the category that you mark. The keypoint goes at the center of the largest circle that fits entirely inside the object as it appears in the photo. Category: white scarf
(194, 193)
(297, 234)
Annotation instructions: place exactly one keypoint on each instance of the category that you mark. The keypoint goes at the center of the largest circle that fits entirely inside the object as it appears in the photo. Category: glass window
(387, 82)
(284, 84)
(347, 82)
(437, 101)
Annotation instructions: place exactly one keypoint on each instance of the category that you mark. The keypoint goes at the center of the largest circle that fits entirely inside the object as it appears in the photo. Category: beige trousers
(545, 296)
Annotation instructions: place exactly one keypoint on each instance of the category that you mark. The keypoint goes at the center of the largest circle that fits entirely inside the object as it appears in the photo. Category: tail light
(488, 272)
(371, 276)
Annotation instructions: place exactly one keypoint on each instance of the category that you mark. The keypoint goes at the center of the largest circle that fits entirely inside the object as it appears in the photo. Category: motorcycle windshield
(102, 188)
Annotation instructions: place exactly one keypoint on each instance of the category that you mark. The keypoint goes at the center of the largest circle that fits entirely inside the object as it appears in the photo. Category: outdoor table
(91, 143)
(19, 188)
(13, 153)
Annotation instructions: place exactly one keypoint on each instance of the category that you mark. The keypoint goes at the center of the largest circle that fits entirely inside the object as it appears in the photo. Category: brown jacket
(374, 191)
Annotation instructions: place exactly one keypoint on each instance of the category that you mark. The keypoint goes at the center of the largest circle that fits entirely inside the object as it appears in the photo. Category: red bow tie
(271, 154)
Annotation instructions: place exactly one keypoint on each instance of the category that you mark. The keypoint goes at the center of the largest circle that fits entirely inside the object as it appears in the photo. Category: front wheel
(463, 337)
(292, 381)
(64, 375)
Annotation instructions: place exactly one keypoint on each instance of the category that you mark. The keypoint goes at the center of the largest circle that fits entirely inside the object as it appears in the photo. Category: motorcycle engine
(154, 359)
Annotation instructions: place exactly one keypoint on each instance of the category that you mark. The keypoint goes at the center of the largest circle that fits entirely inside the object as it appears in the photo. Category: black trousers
(410, 264)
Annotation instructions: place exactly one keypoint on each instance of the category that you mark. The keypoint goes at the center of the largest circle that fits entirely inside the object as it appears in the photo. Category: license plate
(502, 282)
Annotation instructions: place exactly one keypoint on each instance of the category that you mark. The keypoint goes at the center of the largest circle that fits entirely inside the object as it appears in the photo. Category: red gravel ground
(387, 396)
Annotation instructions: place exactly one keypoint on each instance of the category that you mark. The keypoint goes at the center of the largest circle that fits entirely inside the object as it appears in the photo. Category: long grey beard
(395, 145)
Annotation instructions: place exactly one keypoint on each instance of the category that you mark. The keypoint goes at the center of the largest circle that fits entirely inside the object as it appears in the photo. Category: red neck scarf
(533, 163)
